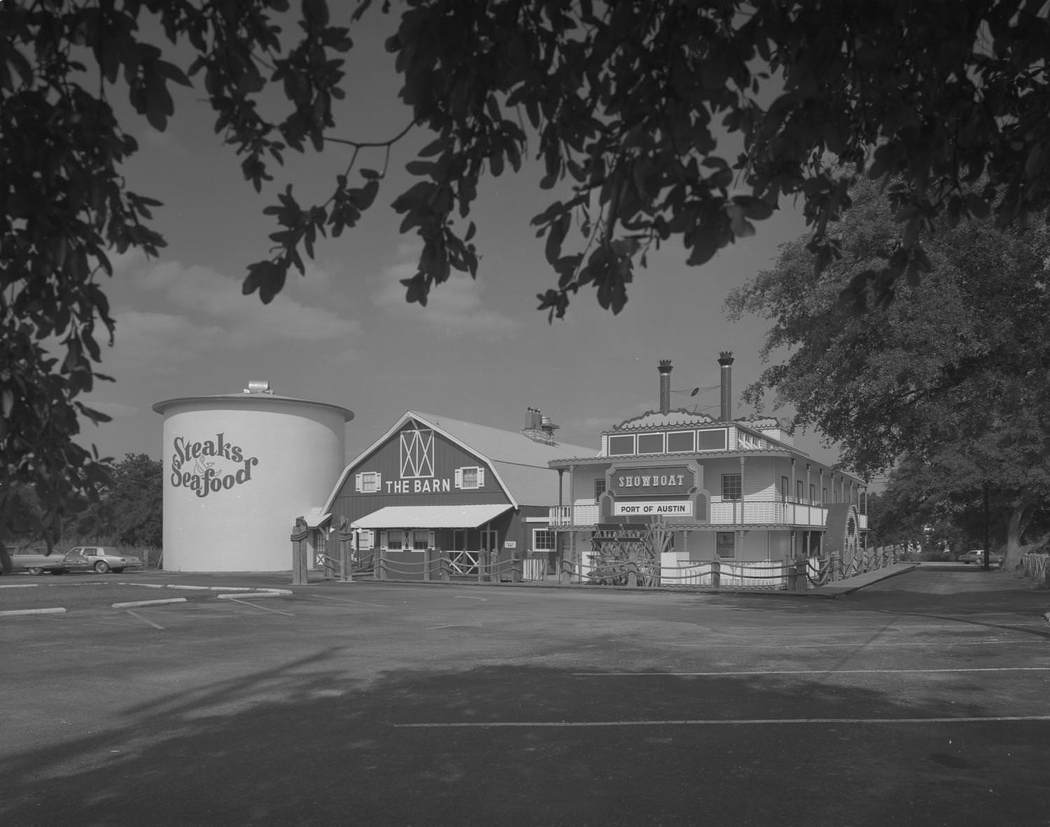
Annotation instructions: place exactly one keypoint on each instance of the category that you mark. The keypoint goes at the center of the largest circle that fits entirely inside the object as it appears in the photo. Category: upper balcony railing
(745, 512)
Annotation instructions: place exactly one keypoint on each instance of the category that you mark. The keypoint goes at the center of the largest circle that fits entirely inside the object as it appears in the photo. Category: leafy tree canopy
(662, 120)
(952, 376)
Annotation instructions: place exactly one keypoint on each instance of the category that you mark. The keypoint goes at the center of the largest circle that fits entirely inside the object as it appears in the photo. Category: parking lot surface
(918, 700)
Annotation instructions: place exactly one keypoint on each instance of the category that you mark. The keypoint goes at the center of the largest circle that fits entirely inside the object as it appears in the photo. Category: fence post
(716, 574)
(346, 562)
(380, 563)
(797, 576)
(426, 565)
(443, 561)
(299, 535)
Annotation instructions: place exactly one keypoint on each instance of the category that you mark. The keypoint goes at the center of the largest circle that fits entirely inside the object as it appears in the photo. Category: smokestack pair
(725, 362)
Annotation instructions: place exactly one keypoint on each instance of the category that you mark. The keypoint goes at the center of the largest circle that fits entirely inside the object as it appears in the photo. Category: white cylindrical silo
(238, 470)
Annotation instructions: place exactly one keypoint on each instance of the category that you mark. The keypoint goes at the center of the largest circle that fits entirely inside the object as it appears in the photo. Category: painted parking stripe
(57, 610)
(256, 606)
(774, 672)
(146, 620)
(348, 600)
(889, 644)
(989, 719)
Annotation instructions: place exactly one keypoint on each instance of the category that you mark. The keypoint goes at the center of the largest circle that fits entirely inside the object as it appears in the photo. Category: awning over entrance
(431, 516)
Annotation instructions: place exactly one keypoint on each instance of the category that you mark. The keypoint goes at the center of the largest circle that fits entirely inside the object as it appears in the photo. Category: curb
(135, 603)
(238, 595)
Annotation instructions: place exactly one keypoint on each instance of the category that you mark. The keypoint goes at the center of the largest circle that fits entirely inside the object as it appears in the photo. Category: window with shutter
(470, 477)
(368, 482)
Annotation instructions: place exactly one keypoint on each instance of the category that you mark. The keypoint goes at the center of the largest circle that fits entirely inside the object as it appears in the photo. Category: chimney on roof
(665, 385)
(725, 361)
(538, 427)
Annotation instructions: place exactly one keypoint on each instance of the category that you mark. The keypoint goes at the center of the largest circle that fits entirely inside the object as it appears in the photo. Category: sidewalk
(844, 587)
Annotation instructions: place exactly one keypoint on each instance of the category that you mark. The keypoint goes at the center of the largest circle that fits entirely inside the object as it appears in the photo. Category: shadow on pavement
(284, 747)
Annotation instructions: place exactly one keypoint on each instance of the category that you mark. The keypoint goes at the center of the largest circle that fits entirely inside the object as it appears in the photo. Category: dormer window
(650, 443)
(712, 440)
(681, 442)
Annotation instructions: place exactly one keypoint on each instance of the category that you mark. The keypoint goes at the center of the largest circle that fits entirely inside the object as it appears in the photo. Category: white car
(96, 558)
(977, 556)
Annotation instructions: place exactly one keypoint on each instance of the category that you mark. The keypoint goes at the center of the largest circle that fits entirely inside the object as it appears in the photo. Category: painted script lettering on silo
(209, 466)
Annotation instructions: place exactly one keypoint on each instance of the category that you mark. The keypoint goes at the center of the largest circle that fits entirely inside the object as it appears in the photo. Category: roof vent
(259, 386)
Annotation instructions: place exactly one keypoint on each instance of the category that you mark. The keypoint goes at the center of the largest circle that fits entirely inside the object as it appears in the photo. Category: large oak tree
(950, 378)
(663, 120)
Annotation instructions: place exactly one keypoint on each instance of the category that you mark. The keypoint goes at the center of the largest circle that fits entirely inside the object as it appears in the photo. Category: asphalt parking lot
(919, 700)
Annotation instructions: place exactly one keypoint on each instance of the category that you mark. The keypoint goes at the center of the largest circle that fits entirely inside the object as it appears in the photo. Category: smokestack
(665, 385)
(725, 360)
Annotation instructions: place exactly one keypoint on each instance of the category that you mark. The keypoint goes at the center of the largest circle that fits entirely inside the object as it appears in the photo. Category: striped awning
(431, 516)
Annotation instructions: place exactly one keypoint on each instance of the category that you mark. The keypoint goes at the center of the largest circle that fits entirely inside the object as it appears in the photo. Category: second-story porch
(723, 512)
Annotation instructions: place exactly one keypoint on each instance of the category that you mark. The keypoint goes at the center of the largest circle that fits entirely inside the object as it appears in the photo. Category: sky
(480, 351)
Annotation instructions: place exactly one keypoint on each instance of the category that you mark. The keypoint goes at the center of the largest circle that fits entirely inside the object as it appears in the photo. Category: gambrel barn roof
(519, 462)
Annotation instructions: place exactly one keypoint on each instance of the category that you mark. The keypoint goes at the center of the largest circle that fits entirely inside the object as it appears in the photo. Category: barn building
(435, 489)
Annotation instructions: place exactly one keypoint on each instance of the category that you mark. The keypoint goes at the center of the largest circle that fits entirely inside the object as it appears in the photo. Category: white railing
(722, 512)
(562, 515)
(755, 574)
(766, 512)
(534, 569)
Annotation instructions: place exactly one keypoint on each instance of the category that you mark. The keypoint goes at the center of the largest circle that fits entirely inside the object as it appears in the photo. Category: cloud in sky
(117, 410)
(454, 308)
(206, 310)
(158, 343)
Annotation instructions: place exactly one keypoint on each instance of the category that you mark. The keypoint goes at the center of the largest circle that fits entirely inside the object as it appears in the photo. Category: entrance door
(490, 551)
(462, 562)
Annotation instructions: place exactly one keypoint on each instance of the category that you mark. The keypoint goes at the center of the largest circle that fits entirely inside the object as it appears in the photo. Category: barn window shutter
(459, 478)
(481, 478)
(357, 483)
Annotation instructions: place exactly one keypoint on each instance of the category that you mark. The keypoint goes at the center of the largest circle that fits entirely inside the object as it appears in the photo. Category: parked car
(96, 558)
(977, 556)
(35, 562)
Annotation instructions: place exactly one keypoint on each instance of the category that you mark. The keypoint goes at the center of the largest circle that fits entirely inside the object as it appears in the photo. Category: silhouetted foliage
(661, 120)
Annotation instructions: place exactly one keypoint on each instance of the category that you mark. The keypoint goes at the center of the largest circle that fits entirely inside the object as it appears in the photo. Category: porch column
(743, 460)
(561, 473)
(572, 487)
